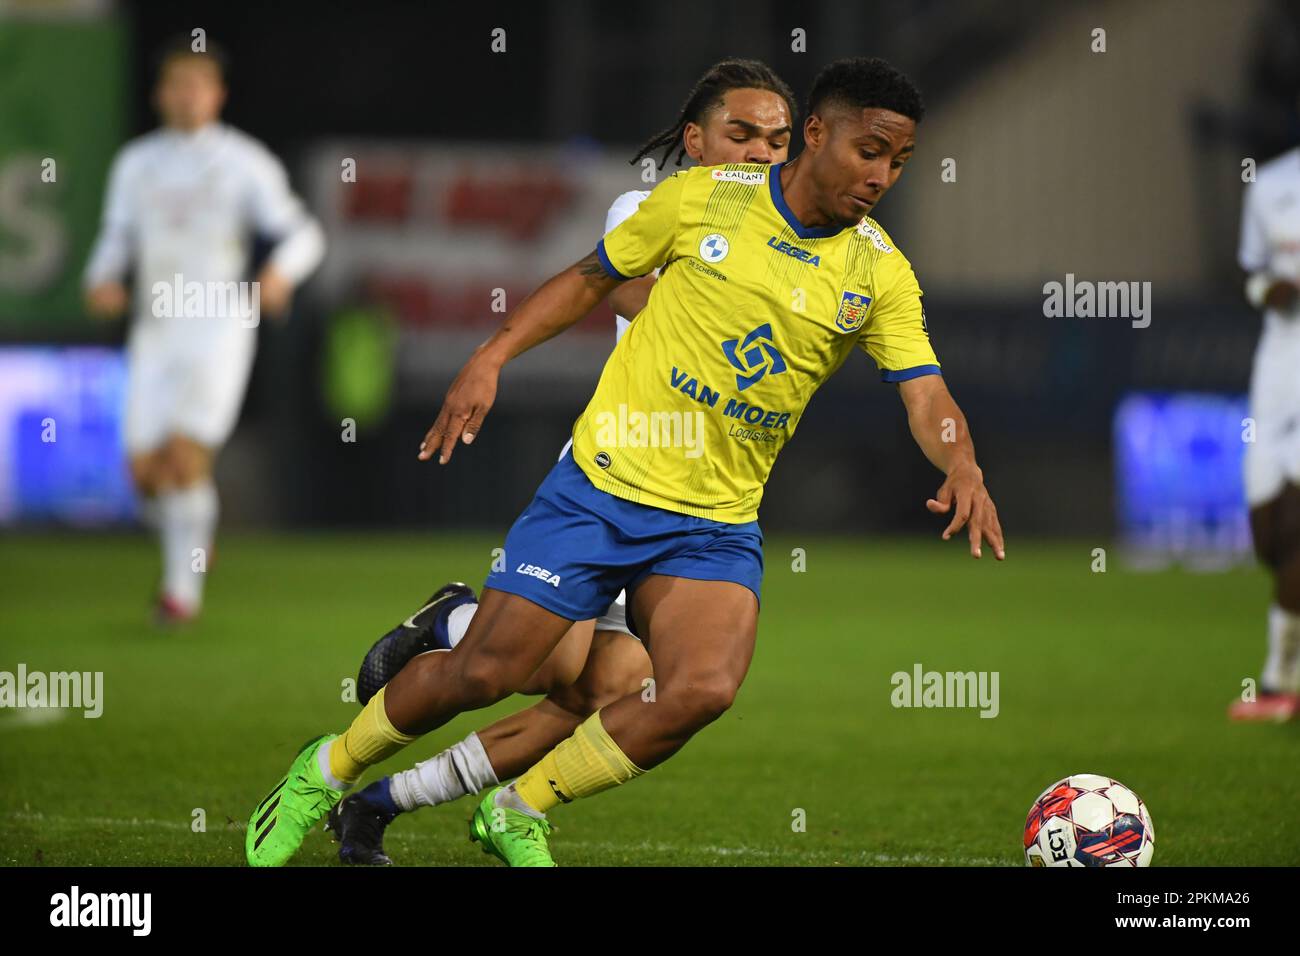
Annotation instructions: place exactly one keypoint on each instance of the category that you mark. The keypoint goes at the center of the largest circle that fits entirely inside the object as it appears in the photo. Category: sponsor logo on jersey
(754, 357)
(748, 176)
(853, 311)
(542, 574)
(871, 232)
(742, 412)
(794, 252)
(714, 247)
(602, 459)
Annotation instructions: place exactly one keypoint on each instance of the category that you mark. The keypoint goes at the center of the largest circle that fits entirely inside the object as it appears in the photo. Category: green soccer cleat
(300, 801)
(513, 837)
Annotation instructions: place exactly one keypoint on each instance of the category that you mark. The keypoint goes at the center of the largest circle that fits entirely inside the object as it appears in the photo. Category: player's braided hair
(865, 83)
(718, 80)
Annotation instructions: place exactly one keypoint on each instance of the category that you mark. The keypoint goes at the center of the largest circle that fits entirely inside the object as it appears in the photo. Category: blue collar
(800, 230)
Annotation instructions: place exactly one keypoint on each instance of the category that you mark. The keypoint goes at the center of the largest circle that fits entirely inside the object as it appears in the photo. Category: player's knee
(187, 462)
(483, 681)
(700, 700)
(600, 689)
(144, 475)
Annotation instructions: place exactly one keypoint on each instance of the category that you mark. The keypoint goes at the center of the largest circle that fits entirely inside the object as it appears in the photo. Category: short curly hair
(866, 83)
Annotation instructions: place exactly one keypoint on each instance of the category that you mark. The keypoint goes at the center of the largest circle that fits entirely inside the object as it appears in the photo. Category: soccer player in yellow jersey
(771, 277)
(739, 111)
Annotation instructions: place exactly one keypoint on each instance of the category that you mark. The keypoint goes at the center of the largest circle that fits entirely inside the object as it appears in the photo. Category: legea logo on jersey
(714, 247)
(754, 357)
(853, 311)
(794, 252)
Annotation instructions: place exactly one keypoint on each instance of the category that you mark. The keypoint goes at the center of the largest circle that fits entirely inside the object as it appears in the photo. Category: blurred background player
(740, 111)
(182, 206)
(1270, 254)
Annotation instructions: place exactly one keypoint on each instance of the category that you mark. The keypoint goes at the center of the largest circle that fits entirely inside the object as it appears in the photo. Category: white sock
(323, 762)
(458, 623)
(461, 769)
(509, 798)
(188, 522)
(1282, 669)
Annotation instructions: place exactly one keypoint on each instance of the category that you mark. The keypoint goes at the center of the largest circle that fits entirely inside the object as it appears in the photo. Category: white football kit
(1270, 244)
(182, 209)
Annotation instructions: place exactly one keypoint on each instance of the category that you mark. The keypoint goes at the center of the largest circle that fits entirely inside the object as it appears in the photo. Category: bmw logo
(714, 247)
(602, 459)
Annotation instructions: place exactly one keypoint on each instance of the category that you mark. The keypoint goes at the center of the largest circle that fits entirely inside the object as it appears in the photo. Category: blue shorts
(575, 547)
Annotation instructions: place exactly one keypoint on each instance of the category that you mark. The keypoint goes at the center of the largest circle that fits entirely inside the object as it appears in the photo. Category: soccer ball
(1089, 820)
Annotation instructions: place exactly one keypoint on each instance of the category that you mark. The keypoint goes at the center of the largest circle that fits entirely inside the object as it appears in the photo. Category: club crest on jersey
(853, 311)
(754, 357)
(866, 229)
(714, 247)
(747, 176)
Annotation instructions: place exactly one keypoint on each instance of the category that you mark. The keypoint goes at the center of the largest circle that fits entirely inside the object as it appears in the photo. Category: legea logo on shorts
(542, 574)
(754, 357)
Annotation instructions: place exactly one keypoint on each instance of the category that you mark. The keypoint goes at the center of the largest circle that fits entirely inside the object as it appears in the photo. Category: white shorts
(615, 618)
(1273, 458)
(191, 386)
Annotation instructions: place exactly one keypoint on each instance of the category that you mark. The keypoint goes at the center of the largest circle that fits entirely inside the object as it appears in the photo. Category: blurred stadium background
(482, 171)
(479, 171)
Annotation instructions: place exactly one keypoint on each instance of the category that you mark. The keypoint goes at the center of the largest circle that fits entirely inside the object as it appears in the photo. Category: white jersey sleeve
(1253, 250)
(111, 254)
(624, 206)
(275, 211)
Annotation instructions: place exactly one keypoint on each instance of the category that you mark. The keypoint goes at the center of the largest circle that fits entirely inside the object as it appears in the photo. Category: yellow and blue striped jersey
(751, 313)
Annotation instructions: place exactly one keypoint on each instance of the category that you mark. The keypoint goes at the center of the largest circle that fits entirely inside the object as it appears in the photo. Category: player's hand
(964, 488)
(108, 300)
(274, 291)
(1281, 295)
(467, 403)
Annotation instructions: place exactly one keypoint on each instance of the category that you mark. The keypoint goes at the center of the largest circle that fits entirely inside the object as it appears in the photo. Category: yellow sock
(586, 763)
(371, 738)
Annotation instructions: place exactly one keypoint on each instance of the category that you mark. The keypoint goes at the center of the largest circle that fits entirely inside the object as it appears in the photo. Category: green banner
(62, 97)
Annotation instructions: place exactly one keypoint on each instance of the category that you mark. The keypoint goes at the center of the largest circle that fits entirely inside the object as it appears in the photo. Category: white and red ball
(1089, 820)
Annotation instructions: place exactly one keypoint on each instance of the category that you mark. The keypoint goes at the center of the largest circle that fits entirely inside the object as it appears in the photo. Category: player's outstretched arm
(940, 430)
(557, 304)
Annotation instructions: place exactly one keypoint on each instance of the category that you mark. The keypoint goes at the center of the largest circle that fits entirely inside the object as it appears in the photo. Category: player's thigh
(700, 637)
(617, 665)
(507, 641)
(150, 393)
(207, 407)
(563, 665)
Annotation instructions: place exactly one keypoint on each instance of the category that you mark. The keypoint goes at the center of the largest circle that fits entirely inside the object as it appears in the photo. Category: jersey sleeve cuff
(903, 374)
(607, 265)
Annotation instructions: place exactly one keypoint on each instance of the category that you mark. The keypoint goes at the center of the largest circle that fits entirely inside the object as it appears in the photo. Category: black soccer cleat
(423, 631)
(359, 827)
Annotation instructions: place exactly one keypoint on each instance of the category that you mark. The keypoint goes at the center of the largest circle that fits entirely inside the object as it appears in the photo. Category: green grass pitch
(1121, 673)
